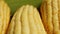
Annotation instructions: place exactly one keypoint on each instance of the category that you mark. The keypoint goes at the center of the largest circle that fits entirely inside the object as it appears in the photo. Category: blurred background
(16, 4)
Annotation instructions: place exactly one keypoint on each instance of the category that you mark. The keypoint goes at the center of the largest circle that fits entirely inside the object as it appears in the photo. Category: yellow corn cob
(49, 11)
(16, 25)
(38, 22)
(4, 17)
(59, 11)
(26, 21)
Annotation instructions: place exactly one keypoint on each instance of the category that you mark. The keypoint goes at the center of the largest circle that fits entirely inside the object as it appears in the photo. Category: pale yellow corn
(55, 16)
(38, 22)
(15, 25)
(26, 21)
(59, 12)
(11, 25)
(50, 8)
(33, 27)
(47, 16)
(4, 17)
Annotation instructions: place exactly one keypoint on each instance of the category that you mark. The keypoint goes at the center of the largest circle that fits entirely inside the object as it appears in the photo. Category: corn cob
(26, 21)
(38, 21)
(25, 24)
(4, 17)
(59, 11)
(50, 13)
(15, 25)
